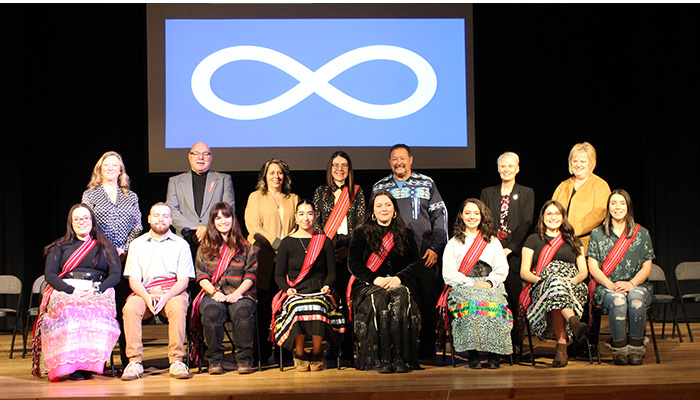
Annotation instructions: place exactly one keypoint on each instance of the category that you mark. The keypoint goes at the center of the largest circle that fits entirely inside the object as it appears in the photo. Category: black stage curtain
(622, 77)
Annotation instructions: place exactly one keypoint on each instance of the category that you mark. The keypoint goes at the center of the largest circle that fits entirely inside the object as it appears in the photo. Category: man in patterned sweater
(424, 212)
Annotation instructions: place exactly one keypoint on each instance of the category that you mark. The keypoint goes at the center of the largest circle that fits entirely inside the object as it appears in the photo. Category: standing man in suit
(424, 213)
(512, 207)
(192, 194)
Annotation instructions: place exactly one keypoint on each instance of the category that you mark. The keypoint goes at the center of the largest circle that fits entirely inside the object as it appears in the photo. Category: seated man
(159, 267)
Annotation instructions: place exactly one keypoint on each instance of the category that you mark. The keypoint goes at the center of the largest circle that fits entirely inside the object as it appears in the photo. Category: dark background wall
(623, 77)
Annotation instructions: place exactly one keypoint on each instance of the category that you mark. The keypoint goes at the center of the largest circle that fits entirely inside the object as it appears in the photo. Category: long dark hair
(313, 207)
(262, 176)
(373, 231)
(567, 231)
(350, 178)
(485, 226)
(102, 242)
(212, 240)
(629, 219)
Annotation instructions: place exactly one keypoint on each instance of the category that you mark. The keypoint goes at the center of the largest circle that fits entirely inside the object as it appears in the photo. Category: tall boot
(579, 328)
(384, 343)
(637, 349)
(560, 357)
(398, 333)
(619, 350)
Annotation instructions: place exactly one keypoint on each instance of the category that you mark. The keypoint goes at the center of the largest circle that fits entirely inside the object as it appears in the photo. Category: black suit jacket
(520, 213)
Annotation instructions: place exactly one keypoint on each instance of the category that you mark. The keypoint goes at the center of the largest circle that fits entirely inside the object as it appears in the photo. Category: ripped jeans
(635, 304)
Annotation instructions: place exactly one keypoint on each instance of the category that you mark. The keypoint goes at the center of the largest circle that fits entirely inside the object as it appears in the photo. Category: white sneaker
(179, 370)
(134, 370)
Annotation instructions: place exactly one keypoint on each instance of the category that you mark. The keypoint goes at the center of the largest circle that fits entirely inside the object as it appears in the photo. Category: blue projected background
(314, 121)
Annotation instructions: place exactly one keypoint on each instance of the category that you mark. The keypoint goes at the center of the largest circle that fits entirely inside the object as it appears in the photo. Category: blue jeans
(635, 304)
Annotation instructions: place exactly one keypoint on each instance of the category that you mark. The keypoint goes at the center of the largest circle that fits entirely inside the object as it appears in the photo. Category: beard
(160, 230)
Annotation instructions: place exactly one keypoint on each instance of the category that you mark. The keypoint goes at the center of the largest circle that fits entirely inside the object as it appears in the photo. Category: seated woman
(305, 305)
(474, 267)
(384, 261)
(619, 259)
(76, 328)
(226, 270)
(555, 294)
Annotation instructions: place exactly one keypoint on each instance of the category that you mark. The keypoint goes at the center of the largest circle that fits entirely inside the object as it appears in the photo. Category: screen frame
(161, 159)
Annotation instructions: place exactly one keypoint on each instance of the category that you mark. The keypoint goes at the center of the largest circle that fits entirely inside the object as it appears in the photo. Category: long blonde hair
(96, 179)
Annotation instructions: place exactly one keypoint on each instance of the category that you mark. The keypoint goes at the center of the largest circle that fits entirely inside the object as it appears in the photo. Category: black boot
(399, 334)
(385, 344)
(474, 361)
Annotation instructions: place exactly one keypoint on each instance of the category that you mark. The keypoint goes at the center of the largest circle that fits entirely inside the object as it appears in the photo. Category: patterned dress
(120, 221)
(552, 292)
(315, 314)
(481, 319)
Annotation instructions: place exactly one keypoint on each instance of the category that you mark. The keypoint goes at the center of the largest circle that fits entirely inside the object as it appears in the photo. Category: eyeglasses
(85, 219)
(196, 154)
(552, 214)
(339, 166)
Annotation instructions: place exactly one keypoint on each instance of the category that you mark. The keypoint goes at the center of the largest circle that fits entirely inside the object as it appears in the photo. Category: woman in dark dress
(306, 304)
(384, 262)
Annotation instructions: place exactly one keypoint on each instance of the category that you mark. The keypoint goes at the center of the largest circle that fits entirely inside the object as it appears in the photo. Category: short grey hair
(508, 154)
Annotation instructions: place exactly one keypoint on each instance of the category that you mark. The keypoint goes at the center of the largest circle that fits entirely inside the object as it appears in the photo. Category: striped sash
(73, 261)
(373, 263)
(611, 261)
(195, 322)
(315, 246)
(468, 262)
(340, 211)
(546, 256)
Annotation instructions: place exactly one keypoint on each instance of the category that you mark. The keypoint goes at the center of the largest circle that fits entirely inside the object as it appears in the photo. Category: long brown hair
(212, 240)
(350, 178)
(485, 226)
(102, 242)
(629, 219)
(373, 231)
(567, 231)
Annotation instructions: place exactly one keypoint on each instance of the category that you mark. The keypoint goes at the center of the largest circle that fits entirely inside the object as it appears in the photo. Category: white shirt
(150, 259)
(493, 255)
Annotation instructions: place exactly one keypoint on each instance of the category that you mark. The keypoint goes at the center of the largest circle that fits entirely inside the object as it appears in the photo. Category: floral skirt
(78, 334)
(481, 320)
(552, 292)
(308, 315)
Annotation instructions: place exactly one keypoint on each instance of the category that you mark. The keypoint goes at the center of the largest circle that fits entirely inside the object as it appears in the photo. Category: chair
(657, 277)
(11, 285)
(687, 271)
(32, 311)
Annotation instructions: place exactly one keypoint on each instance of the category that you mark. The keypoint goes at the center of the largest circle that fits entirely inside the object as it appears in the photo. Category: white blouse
(493, 255)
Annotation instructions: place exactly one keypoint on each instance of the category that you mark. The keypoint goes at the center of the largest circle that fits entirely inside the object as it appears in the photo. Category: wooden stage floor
(677, 377)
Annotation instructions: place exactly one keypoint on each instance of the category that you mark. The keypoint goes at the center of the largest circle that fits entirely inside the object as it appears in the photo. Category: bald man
(191, 195)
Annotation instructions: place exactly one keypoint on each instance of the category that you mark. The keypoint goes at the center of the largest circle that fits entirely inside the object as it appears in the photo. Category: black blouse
(405, 266)
(290, 259)
(564, 253)
(57, 257)
(324, 205)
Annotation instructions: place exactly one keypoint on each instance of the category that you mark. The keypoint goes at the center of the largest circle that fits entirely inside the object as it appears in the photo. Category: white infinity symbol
(313, 82)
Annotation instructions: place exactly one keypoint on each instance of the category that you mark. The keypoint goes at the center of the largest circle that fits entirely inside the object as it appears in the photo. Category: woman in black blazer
(512, 206)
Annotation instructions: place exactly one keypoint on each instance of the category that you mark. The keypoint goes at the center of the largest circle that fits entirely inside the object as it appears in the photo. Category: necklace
(302, 245)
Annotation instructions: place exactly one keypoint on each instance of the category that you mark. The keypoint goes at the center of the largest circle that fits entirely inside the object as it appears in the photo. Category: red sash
(546, 256)
(468, 262)
(373, 263)
(611, 261)
(195, 322)
(73, 261)
(340, 211)
(315, 246)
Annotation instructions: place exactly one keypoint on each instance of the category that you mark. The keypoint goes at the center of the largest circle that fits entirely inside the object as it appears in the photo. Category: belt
(91, 276)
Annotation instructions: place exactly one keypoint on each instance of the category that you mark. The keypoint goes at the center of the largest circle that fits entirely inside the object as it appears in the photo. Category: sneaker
(215, 368)
(245, 368)
(179, 370)
(133, 371)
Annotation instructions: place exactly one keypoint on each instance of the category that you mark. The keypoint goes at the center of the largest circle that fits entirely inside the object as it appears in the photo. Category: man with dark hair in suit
(192, 194)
